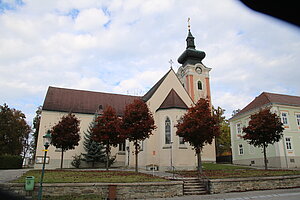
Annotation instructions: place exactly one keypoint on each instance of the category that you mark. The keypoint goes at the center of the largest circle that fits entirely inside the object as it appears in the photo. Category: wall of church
(157, 151)
(48, 120)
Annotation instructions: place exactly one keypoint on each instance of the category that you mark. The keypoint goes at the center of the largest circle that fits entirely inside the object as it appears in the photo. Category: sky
(124, 47)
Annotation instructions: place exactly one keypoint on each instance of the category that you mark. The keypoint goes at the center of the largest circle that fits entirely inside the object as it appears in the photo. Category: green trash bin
(29, 183)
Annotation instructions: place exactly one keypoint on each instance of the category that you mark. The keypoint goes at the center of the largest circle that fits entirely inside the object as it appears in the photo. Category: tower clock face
(198, 70)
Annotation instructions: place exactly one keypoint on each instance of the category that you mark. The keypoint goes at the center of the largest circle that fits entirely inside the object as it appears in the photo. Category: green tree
(95, 151)
(14, 131)
(106, 131)
(138, 124)
(223, 141)
(198, 127)
(65, 134)
(36, 128)
(234, 112)
(264, 128)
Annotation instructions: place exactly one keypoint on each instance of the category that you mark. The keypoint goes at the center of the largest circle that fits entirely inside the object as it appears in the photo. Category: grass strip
(85, 176)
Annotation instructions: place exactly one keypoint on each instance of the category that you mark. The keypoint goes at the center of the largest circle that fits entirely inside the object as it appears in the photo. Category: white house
(283, 154)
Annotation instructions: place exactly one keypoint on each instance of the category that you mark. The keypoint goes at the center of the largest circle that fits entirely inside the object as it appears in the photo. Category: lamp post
(46, 140)
(172, 168)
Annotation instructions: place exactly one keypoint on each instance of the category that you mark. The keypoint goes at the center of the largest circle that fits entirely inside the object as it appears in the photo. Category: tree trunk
(265, 157)
(136, 156)
(199, 168)
(23, 158)
(107, 156)
(62, 158)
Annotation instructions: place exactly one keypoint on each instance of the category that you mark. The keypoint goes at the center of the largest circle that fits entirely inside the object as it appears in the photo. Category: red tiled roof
(271, 98)
(173, 100)
(80, 101)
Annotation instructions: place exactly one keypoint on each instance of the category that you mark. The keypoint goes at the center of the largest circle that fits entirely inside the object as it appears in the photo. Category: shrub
(10, 162)
(76, 161)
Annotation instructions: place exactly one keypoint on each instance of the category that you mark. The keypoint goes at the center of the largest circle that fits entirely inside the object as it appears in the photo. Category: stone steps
(193, 186)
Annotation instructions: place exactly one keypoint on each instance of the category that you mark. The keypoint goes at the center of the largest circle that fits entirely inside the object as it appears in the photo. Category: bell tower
(192, 73)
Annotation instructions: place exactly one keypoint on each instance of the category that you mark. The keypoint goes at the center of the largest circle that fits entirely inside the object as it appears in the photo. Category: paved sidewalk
(11, 174)
(160, 174)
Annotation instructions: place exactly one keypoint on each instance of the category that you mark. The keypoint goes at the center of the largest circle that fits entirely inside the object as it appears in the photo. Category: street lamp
(46, 141)
(172, 167)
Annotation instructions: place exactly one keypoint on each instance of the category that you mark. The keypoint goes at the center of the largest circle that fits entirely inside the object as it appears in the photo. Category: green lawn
(213, 166)
(76, 176)
(215, 171)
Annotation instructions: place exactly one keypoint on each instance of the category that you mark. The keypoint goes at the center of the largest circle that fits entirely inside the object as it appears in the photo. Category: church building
(168, 100)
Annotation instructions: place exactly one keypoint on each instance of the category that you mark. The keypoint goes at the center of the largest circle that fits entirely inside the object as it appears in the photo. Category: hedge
(10, 162)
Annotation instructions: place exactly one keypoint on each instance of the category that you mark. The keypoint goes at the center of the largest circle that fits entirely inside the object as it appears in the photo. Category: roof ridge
(81, 90)
(152, 90)
(267, 96)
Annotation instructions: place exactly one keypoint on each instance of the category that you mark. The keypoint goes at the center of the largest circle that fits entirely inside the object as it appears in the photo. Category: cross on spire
(171, 63)
(189, 24)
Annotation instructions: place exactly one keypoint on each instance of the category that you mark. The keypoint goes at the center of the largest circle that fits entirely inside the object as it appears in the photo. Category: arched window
(199, 85)
(167, 131)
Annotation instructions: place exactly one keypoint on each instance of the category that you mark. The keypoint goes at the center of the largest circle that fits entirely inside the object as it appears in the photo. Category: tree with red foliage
(199, 127)
(264, 128)
(65, 134)
(106, 131)
(138, 124)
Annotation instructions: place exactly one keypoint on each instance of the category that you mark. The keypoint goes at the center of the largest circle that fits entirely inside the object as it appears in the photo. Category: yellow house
(168, 100)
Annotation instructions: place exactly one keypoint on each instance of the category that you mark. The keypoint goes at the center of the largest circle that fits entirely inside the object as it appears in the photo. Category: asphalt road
(11, 174)
(282, 194)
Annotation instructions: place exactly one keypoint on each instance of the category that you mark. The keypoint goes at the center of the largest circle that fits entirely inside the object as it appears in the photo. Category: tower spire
(191, 55)
(190, 44)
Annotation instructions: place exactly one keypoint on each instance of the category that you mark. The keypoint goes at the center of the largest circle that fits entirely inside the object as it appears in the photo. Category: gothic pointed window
(167, 131)
(199, 85)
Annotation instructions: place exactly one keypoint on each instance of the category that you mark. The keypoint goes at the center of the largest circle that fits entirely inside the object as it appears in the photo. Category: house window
(141, 145)
(284, 118)
(288, 143)
(168, 131)
(40, 160)
(199, 85)
(181, 141)
(241, 149)
(122, 146)
(298, 119)
(239, 128)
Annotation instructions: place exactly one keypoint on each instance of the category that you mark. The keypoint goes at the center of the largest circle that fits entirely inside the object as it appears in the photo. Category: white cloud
(125, 45)
(90, 20)
(139, 83)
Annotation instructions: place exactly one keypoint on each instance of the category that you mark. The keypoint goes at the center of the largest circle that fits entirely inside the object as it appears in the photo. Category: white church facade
(167, 100)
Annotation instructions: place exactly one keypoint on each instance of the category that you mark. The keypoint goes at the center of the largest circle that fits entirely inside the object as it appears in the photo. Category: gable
(173, 100)
(161, 94)
(149, 94)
